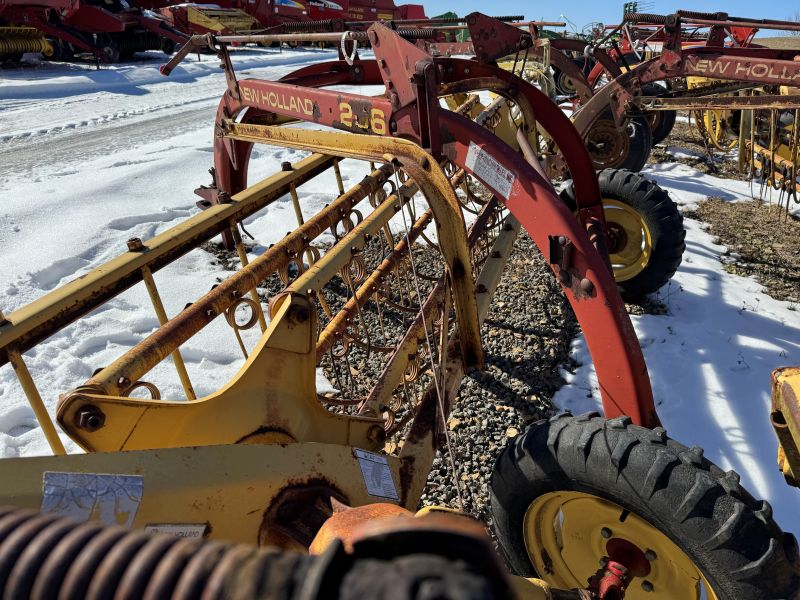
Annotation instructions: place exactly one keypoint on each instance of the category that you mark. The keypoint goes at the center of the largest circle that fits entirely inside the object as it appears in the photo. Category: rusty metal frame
(413, 86)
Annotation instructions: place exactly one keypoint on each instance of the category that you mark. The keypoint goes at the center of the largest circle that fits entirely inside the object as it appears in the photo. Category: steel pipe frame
(625, 386)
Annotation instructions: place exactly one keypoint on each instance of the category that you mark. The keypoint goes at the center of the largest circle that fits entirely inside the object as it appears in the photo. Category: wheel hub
(568, 534)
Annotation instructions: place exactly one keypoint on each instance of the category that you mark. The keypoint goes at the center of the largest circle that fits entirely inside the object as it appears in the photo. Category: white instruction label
(489, 170)
(377, 475)
(111, 499)
(178, 530)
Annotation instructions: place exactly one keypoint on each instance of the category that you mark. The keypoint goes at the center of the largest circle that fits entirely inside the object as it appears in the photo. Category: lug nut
(647, 586)
(650, 555)
(135, 244)
(90, 418)
(605, 532)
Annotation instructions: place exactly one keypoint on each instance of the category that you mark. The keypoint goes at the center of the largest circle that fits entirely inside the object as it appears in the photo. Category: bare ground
(762, 240)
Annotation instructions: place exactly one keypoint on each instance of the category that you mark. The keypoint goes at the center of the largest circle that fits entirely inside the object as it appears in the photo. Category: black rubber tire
(662, 217)
(731, 537)
(111, 51)
(661, 121)
(168, 46)
(640, 144)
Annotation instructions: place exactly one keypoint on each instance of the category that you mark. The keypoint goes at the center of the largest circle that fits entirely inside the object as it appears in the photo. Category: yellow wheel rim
(567, 533)
(718, 133)
(630, 240)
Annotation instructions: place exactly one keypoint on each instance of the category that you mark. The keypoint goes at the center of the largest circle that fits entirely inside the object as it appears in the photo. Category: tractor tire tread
(703, 509)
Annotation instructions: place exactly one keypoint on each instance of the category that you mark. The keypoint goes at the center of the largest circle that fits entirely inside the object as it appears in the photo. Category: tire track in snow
(25, 158)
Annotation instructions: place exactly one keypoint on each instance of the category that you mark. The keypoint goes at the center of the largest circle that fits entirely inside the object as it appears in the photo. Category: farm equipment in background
(16, 41)
(107, 32)
(197, 19)
(384, 290)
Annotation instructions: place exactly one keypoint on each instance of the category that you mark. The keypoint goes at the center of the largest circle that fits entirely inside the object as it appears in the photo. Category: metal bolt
(564, 277)
(286, 166)
(587, 286)
(298, 314)
(135, 244)
(123, 382)
(376, 434)
(90, 418)
(650, 555)
(647, 586)
(496, 254)
(606, 532)
(480, 289)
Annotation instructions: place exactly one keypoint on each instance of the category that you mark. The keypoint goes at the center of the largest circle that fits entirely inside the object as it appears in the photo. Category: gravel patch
(526, 338)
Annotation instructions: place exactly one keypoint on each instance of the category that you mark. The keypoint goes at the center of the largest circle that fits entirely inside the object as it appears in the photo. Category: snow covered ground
(91, 158)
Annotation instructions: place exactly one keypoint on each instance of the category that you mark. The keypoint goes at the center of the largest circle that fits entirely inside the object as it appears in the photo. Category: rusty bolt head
(376, 434)
(298, 314)
(587, 286)
(90, 418)
(135, 244)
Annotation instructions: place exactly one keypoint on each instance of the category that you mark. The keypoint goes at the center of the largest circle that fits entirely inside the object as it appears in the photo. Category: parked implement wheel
(574, 490)
(111, 50)
(612, 148)
(645, 231)
(661, 121)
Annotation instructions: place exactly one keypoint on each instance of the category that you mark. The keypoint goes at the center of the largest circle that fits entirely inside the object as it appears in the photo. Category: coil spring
(22, 45)
(645, 18)
(46, 557)
(417, 33)
(323, 25)
(690, 14)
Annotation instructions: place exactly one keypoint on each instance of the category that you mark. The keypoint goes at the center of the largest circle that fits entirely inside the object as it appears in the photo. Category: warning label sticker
(110, 498)
(491, 172)
(179, 530)
(377, 475)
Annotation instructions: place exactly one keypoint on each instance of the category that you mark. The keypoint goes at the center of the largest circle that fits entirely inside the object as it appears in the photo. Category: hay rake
(385, 290)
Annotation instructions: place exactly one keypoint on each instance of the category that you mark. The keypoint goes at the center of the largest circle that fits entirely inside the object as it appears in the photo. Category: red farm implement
(598, 507)
(108, 32)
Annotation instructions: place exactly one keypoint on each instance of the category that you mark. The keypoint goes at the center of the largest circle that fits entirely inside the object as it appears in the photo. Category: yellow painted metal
(23, 328)
(242, 253)
(530, 588)
(36, 402)
(562, 532)
(227, 487)
(19, 40)
(158, 306)
(632, 257)
(221, 19)
(786, 421)
(434, 185)
(275, 390)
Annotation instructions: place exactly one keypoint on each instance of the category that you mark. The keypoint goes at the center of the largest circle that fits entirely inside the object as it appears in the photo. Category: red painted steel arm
(617, 356)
